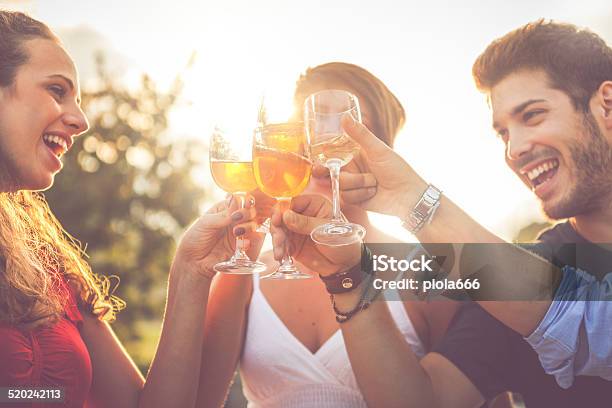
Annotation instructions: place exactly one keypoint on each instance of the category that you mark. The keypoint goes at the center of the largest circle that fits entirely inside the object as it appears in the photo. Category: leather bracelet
(345, 281)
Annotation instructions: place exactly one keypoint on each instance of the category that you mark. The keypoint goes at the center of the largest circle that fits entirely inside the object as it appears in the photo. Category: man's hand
(379, 179)
(306, 213)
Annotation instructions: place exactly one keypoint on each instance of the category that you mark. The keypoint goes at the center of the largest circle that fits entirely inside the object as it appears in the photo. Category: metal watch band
(424, 209)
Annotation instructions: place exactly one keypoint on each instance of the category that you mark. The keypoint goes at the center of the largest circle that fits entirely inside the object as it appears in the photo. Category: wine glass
(282, 168)
(232, 169)
(263, 221)
(333, 148)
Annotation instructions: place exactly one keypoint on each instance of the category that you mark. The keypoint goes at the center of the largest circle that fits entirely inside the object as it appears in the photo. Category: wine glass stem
(240, 254)
(284, 204)
(334, 173)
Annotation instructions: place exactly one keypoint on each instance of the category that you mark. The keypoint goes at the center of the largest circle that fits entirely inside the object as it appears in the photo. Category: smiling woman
(53, 309)
(34, 133)
(42, 272)
(43, 95)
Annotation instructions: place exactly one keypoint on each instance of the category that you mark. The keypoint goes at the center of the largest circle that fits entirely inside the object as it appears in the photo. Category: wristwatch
(424, 210)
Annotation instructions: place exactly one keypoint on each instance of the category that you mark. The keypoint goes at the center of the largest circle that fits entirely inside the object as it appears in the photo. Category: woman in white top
(284, 334)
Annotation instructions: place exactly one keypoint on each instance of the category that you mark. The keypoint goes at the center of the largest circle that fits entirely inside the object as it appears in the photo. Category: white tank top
(278, 371)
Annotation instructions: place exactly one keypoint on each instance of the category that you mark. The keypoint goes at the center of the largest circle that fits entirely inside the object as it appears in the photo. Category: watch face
(433, 193)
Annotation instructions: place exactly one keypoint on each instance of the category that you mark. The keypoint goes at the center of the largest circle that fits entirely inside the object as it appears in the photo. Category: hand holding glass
(232, 170)
(282, 170)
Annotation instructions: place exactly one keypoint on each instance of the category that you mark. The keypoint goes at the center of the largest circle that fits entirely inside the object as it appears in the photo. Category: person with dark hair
(54, 311)
(550, 89)
(577, 65)
(283, 335)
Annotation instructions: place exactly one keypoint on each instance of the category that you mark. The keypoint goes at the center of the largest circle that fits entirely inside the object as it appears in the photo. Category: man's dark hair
(577, 61)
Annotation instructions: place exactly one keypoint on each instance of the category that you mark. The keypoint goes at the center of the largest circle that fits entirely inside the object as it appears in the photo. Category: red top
(48, 356)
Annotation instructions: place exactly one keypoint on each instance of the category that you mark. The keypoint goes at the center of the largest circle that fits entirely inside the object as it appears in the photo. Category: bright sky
(422, 50)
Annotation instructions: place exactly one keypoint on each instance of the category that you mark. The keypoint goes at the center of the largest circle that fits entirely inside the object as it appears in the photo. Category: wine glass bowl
(281, 164)
(233, 176)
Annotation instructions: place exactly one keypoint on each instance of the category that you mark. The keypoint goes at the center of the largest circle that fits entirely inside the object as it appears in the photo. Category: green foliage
(127, 194)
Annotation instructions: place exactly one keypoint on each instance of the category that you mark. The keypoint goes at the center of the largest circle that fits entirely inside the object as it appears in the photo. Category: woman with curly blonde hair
(54, 311)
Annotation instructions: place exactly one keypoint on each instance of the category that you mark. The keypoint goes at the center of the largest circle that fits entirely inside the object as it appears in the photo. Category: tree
(126, 193)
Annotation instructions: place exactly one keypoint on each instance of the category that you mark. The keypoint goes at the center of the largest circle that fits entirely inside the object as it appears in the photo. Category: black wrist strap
(347, 280)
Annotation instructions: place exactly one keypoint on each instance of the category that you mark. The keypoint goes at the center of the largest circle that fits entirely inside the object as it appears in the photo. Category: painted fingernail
(237, 216)
(239, 231)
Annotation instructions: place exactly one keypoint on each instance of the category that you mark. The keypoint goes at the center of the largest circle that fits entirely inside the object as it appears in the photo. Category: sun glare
(246, 51)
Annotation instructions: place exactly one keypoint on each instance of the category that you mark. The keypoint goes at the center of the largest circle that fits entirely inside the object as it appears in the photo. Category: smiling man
(551, 95)
(550, 90)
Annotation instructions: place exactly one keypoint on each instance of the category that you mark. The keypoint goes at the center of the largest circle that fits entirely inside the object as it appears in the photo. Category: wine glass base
(287, 276)
(241, 267)
(287, 272)
(338, 233)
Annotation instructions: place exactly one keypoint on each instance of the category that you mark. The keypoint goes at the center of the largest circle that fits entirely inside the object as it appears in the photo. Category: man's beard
(592, 170)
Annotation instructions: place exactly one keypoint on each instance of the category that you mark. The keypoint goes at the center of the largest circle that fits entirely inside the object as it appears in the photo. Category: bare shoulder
(91, 321)
(96, 332)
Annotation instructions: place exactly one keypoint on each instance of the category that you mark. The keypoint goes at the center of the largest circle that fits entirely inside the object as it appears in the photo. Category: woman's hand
(212, 238)
(306, 213)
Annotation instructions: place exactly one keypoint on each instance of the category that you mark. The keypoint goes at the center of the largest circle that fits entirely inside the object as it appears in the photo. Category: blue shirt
(575, 336)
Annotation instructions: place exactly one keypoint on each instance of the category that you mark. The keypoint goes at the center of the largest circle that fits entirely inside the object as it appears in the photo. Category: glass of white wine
(333, 148)
(231, 166)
